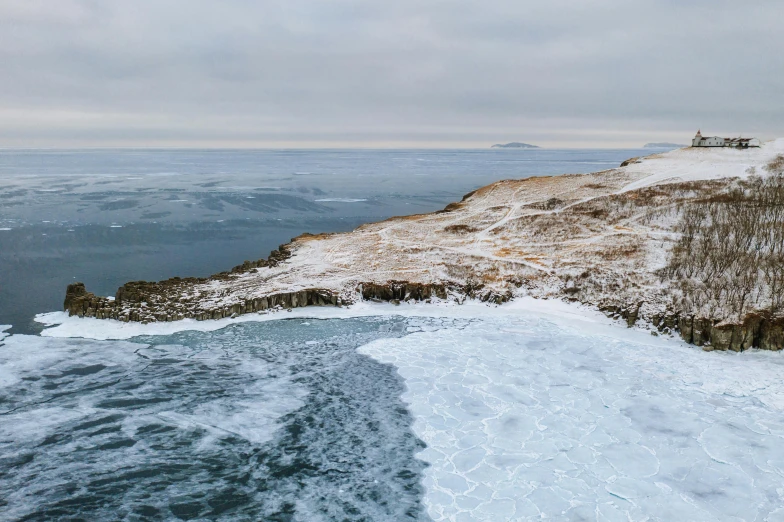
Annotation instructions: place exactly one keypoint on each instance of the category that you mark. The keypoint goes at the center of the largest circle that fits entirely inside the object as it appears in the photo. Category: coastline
(597, 239)
(563, 313)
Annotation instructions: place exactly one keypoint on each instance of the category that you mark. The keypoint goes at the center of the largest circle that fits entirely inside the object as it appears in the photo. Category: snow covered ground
(693, 164)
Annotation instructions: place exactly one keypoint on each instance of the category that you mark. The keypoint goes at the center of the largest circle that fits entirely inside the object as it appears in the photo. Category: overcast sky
(570, 73)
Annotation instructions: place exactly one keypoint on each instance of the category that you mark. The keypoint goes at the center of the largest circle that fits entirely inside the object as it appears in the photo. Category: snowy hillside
(595, 238)
(693, 164)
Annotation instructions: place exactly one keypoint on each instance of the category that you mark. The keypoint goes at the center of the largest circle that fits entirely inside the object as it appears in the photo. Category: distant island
(664, 146)
(514, 145)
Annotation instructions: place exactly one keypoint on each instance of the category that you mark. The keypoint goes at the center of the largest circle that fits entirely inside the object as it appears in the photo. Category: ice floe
(526, 418)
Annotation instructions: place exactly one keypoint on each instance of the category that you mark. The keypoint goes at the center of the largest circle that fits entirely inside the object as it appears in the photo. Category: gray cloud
(363, 72)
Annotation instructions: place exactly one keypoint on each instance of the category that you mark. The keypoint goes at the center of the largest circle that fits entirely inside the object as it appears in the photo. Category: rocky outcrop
(757, 330)
(146, 302)
(167, 300)
(142, 301)
(403, 291)
(631, 161)
(81, 303)
(393, 291)
(139, 304)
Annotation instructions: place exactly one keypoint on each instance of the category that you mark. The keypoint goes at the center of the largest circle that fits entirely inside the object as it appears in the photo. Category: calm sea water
(105, 217)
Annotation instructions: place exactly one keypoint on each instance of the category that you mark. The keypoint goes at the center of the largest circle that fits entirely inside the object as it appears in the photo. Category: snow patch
(695, 163)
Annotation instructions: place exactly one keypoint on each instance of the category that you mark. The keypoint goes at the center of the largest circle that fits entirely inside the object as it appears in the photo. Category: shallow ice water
(282, 420)
(524, 419)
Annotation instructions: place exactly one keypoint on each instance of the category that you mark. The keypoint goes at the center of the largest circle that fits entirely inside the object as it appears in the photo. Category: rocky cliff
(602, 239)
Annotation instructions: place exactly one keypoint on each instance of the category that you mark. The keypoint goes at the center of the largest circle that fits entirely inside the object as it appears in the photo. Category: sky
(402, 73)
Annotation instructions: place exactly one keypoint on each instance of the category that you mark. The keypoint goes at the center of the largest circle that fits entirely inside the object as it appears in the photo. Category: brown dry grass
(508, 252)
(622, 251)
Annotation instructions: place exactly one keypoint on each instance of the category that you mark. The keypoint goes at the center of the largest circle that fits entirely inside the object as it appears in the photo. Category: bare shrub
(625, 250)
(730, 255)
(549, 204)
(777, 165)
(460, 229)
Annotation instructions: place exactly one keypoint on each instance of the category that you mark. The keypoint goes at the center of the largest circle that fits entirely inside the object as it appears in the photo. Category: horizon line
(290, 147)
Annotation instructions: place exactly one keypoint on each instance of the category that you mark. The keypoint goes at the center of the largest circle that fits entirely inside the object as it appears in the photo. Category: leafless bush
(730, 255)
(625, 250)
(460, 229)
(550, 204)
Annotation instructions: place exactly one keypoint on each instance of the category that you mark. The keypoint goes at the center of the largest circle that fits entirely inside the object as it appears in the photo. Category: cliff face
(600, 239)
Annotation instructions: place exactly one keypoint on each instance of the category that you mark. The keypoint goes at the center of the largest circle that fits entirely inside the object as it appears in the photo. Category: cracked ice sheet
(526, 418)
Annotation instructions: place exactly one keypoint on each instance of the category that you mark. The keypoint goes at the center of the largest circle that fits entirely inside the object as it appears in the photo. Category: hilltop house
(714, 141)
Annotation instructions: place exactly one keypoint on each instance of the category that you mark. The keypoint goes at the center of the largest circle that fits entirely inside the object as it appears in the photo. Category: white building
(714, 141)
(706, 141)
